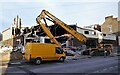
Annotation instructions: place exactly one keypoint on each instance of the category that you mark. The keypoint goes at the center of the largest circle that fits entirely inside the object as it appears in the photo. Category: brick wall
(110, 25)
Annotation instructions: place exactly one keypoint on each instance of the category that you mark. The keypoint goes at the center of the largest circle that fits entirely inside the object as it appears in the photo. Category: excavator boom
(55, 20)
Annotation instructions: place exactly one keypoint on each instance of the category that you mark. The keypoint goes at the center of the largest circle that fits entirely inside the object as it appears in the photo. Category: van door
(59, 53)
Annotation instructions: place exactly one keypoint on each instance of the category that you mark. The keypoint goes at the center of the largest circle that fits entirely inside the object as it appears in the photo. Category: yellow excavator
(80, 37)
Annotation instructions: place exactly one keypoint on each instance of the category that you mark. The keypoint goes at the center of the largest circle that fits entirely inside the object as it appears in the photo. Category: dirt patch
(10, 56)
(16, 56)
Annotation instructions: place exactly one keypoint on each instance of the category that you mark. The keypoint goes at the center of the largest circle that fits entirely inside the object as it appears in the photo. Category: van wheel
(62, 59)
(38, 61)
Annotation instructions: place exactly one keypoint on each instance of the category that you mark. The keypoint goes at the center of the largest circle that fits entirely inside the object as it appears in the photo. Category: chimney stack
(17, 22)
(115, 19)
(20, 23)
(14, 21)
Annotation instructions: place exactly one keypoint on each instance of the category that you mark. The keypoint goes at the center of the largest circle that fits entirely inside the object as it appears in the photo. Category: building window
(93, 33)
(86, 32)
(104, 34)
(110, 28)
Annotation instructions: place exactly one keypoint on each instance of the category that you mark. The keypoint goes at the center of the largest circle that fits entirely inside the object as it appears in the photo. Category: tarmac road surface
(86, 65)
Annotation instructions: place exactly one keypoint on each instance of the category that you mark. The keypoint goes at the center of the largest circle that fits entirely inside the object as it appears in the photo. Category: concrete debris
(5, 48)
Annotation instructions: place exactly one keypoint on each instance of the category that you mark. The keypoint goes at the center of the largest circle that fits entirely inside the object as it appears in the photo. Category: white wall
(7, 34)
(98, 35)
(90, 35)
(110, 37)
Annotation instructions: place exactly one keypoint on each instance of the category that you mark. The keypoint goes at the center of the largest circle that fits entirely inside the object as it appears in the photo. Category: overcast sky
(82, 12)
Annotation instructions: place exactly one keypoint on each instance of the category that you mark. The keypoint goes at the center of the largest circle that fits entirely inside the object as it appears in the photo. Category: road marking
(27, 71)
(104, 69)
(110, 67)
(59, 63)
(96, 72)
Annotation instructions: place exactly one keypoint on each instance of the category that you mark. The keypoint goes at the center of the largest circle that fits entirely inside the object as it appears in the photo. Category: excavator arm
(55, 20)
(45, 29)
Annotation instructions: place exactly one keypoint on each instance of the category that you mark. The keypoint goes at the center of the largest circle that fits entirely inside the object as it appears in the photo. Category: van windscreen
(59, 50)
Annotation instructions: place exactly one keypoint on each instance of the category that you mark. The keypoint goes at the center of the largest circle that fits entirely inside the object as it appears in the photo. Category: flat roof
(5, 30)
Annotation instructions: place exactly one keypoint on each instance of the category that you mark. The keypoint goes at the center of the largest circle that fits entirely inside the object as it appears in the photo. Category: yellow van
(38, 52)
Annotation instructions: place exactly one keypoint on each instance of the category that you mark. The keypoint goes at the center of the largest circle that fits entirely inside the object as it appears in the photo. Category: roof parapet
(115, 19)
(108, 17)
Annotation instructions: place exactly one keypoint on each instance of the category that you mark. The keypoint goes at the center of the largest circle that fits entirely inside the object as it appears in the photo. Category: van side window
(59, 51)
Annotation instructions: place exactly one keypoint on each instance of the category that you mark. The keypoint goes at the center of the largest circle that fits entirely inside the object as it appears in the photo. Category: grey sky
(80, 12)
